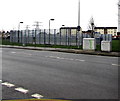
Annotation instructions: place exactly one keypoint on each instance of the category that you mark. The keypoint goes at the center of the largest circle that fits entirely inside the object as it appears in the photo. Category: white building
(119, 16)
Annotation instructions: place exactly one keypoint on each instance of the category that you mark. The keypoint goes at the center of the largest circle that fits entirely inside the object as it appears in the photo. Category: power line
(27, 27)
(37, 24)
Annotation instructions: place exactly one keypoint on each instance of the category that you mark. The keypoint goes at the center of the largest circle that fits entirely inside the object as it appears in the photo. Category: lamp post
(19, 30)
(78, 27)
(49, 28)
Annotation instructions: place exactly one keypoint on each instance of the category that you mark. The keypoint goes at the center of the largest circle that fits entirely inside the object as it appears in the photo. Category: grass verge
(115, 45)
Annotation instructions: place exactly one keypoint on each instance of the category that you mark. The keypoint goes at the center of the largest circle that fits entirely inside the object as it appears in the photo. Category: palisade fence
(54, 37)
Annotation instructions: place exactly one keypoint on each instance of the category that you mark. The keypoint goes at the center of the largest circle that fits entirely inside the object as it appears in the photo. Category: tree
(91, 26)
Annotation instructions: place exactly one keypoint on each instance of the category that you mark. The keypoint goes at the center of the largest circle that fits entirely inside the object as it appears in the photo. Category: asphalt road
(58, 75)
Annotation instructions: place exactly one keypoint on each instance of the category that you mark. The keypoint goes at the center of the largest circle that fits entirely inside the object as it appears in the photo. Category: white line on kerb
(8, 84)
(22, 90)
(38, 96)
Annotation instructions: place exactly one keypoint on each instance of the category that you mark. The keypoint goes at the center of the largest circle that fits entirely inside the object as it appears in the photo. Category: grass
(54, 46)
(6, 42)
(115, 45)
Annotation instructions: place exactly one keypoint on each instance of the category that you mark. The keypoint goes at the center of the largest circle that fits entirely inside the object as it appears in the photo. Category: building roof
(105, 27)
(68, 28)
(88, 31)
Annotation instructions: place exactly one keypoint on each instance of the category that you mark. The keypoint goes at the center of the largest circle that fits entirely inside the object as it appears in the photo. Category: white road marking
(30, 54)
(26, 53)
(22, 90)
(13, 52)
(52, 56)
(8, 84)
(65, 58)
(115, 65)
(70, 59)
(38, 96)
(60, 58)
(57, 57)
(80, 60)
(106, 57)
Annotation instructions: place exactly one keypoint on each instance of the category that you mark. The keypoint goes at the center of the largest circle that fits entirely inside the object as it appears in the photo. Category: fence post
(28, 36)
(25, 37)
(35, 37)
(54, 37)
(60, 37)
(18, 36)
(70, 36)
(44, 37)
(39, 36)
(11, 35)
(21, 36)
(66, 37)
(15, 36)
(32, 36)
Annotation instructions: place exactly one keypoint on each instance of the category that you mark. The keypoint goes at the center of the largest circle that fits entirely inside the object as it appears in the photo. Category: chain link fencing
(66, 37)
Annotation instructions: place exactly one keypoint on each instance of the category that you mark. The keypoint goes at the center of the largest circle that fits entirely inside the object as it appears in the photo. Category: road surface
(45, 74)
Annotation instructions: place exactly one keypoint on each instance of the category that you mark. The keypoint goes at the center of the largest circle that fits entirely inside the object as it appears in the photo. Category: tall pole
(27, 32)
(49, 28)
(37, 24)
(19, 30)
(78, 27)
(49, 31)
(79, 13)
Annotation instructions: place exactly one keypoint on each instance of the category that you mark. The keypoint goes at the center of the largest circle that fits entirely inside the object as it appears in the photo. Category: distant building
(106, 30)
(87, 32)
(69, 30)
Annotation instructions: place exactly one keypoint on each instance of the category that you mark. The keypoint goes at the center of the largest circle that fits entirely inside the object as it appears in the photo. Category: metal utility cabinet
(106, 46)
(89, 44)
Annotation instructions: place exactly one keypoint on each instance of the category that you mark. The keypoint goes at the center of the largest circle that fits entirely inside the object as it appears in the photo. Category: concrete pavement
(116, 54)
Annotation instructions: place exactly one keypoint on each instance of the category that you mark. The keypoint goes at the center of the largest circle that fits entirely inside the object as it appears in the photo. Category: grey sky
(104, 12)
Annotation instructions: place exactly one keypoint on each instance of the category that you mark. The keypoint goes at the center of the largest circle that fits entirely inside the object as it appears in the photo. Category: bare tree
(91, 26)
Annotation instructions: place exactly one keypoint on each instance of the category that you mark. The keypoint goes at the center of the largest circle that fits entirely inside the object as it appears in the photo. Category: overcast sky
(64, 12)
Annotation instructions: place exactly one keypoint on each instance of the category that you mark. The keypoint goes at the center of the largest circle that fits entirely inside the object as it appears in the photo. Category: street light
(19, 25)
(78, 27)
(49, 28)
(19, 30)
